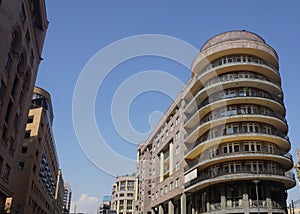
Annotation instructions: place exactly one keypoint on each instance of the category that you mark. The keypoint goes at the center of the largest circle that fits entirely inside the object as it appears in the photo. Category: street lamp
(256, 188)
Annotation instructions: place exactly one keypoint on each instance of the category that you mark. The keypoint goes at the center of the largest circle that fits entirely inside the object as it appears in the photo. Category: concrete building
(38, 169)
(123, 194)
(231, 136)
(67, 198)
(105, 206)
(23, 26)
(160, 166)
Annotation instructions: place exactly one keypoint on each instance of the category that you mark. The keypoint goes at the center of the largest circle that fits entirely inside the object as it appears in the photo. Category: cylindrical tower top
(231, 36)
(238, 42)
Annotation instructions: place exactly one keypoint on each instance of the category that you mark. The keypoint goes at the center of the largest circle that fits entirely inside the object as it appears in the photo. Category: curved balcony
(238, 204)
(274, 136)
(218, 67)
(231, 110)
(205, 160)
(192, 108)
(265, 85)
(249, 48)
(206, 179)
(203, 126)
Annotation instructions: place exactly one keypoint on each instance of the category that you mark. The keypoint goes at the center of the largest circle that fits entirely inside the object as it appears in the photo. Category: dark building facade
(23, 26)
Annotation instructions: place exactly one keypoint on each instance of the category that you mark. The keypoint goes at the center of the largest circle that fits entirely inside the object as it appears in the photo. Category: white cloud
(85, 204)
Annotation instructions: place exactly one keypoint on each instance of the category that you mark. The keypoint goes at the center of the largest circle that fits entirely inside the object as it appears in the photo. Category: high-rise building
(160, 165)
(123, 194)
(67, 198)
(235, 136)
(38, 169)
(23, 26)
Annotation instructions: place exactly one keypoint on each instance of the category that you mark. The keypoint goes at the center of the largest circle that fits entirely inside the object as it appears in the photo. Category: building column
(246, 203)
(171, 207)
(183, 204)
(152, 211)
(171, 158)
(268, 198)
(160, 209)
(161, 177)
(223, 197)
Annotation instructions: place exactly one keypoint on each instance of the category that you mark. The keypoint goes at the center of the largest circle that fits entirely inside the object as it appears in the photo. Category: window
(232, 167)
(177, 121)
(266, 129)
(231, 110)
(177, 150)
(161, 192)
(230, 93)
(213, 171)
(214, 151)
(177, 182)
(272, 167)
(24, 149)
(250, 127)
(172, 127)
(27, 134)
(167, 133)
(270, 148)
(30, 119)
(254, 166)
(230, 129)
(177, 166)
(177, 135)
(231, 147)
(166, 189)
(171, 186)
(21, 165)
(252, 146)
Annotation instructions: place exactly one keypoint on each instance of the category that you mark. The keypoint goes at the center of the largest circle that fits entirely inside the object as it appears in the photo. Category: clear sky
(79, 29)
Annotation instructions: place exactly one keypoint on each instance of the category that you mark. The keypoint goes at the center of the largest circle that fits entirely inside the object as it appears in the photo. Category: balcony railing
(263, 171)
(209, 119)
(223, 96)
(236, 60)
(220, 133)
(207, 157)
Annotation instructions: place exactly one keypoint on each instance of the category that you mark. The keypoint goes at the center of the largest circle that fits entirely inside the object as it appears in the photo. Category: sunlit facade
(234, 145)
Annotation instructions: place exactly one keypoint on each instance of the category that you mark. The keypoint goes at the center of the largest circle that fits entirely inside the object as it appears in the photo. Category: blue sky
(77, 31)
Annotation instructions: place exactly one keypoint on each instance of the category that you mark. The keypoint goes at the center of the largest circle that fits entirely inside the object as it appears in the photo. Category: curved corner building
(238, 160)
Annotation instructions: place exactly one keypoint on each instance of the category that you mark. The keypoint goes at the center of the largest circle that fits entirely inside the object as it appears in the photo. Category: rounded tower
(236, 131)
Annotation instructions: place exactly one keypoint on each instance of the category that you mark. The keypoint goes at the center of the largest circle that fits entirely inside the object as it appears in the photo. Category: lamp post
(256, 189)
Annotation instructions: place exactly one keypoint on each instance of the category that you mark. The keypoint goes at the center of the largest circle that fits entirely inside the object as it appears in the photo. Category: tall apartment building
(38, 170)
(123, 194)
(67, 198)
(23, 26)
(160, 166)
(235, 139)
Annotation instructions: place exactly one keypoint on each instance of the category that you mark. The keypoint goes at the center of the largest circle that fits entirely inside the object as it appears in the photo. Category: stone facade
(23, 26)
(233, 141)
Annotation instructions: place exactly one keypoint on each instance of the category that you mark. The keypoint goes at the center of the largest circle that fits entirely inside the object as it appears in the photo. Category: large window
(231, 147)
(232, 167)
(252, 147)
